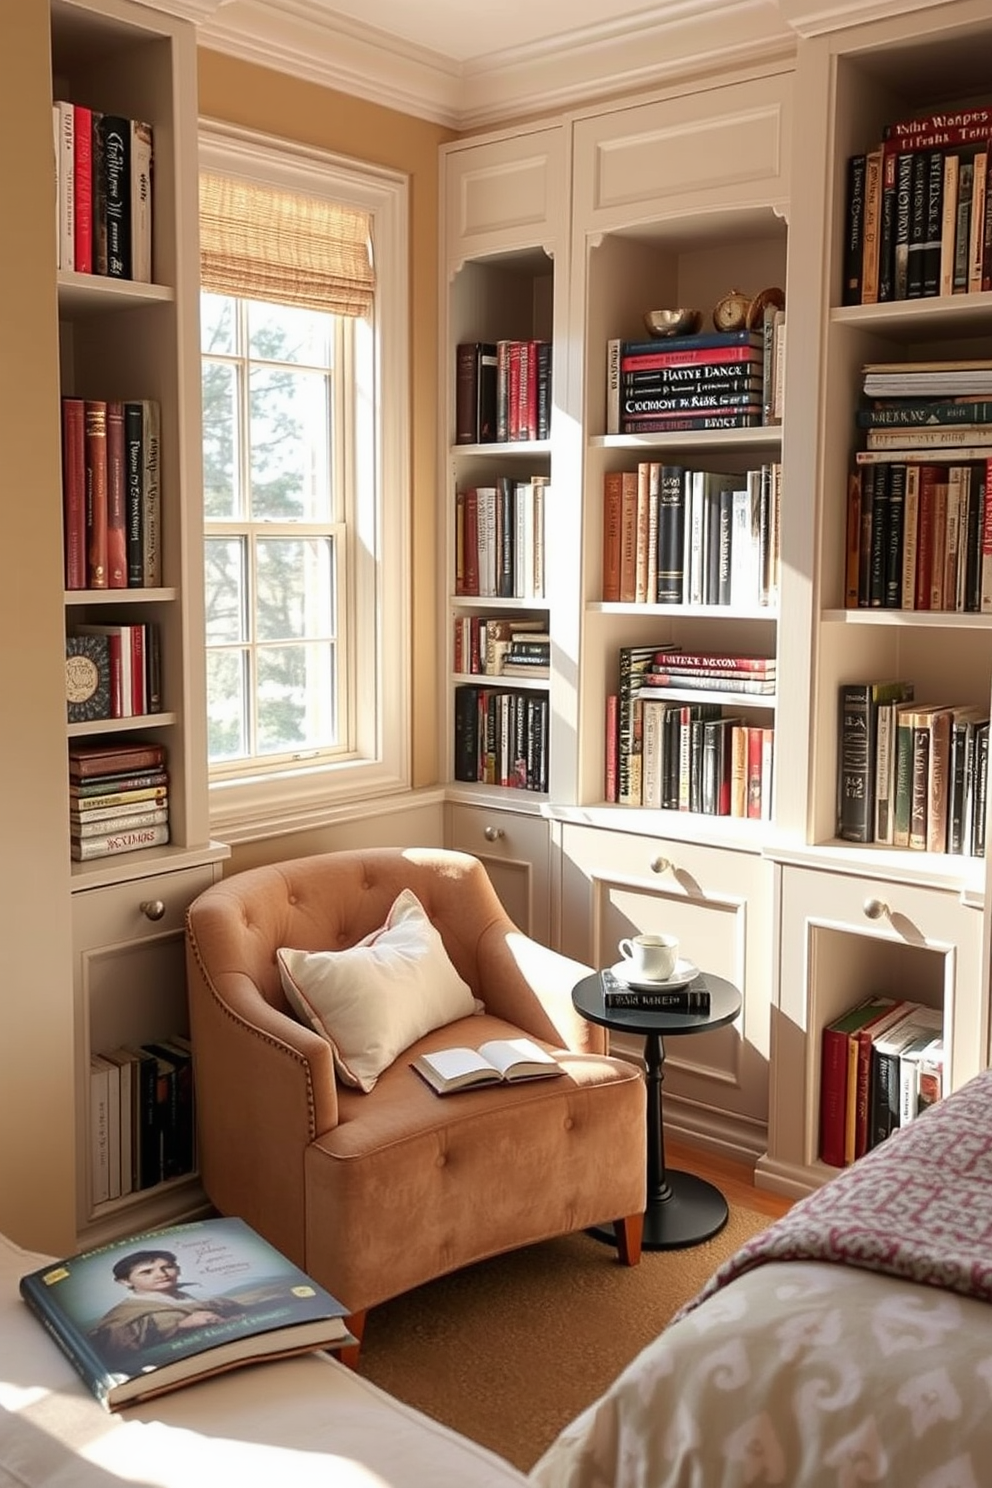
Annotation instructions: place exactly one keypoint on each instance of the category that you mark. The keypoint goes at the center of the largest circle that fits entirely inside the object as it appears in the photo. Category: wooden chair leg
(629, 1232)
(349, 1354)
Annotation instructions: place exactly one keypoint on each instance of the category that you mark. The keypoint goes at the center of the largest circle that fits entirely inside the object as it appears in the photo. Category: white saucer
(684, 973)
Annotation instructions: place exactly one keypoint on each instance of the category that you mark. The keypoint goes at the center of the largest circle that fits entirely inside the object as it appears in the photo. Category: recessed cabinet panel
(726, 147)
(515, 849)
(505, 195)
(718, 903)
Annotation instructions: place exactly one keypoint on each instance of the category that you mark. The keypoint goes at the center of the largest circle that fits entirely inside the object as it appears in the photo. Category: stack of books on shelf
(499, 538)
(502, 391)
(679, 755)
(911, 774)
(919, 510)
(482, 643)
(709, 380)
(111, 494)
(918, 210)
(118, 798)
(103, 166)
(142, 1126)
(881, 1064)
(501, 737)
(673, 534)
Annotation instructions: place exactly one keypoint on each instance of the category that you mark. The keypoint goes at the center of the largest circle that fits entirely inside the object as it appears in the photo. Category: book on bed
(447, 1070)
(165, 1307)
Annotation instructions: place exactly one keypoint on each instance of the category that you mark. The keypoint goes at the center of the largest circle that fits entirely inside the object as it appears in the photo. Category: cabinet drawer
(515, 847)
(141, 907)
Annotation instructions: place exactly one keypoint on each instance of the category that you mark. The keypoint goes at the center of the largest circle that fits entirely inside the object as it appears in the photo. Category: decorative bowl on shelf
(680, 322)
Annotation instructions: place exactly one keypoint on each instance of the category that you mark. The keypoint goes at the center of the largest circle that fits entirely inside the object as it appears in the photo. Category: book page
(516, 1054)
(457, 1063)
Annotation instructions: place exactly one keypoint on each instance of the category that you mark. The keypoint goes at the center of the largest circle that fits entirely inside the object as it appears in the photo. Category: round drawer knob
(661, 865)
(876, 909)
(152, 909)
(493, 834)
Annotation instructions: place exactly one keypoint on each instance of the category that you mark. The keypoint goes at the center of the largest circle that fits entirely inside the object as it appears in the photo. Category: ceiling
(471, 64)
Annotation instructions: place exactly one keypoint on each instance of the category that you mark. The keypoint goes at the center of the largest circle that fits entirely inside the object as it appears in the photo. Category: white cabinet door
(842, 938)
(718, 902)
(129, 988)
(503, 194)
(515, 848)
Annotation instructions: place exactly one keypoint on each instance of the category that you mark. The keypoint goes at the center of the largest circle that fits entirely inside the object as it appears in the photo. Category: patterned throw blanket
(919, 1206)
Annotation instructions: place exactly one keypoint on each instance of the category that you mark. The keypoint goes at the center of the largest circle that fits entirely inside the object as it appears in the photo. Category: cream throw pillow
(377, 998)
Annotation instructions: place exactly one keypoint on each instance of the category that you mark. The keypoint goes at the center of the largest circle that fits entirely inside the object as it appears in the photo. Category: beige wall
(255, 98)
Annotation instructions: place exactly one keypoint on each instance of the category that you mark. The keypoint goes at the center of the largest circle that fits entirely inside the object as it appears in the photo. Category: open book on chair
(498, 1060)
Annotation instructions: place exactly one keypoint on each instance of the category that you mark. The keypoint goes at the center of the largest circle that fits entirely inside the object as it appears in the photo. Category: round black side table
(682, 1209)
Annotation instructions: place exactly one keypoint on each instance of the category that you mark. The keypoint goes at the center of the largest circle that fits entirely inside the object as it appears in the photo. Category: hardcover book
(160, 1309)
(499, 1060)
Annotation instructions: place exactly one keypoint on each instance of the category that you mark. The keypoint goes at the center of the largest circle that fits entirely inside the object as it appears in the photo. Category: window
(305, 483)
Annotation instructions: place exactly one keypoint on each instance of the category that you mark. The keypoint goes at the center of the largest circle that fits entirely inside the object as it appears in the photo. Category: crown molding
(814, 18)
(681, 39)
(188, 10)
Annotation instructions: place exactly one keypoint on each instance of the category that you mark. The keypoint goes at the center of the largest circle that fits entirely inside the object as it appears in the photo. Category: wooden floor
(735, 1180)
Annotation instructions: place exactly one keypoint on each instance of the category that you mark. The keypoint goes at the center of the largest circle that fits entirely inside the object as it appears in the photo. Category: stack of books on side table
(118, 798)
(674, 997)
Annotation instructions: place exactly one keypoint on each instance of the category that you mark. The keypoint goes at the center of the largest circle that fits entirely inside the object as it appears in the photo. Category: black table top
(725, 1004)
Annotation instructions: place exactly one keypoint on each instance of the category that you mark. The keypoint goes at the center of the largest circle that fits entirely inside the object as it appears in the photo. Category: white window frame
(255, 806)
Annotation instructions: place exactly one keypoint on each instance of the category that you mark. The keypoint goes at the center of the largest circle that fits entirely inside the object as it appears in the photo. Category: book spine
(886, 247)
(833, 1095)
(111, 843)
(101, 826)
(872, 227)
(694, 357)
(151, 495)
(855, 763)
(65, 156)
(96, 493)
(900, 247)
(83, 189)
(467, 357)
(156, 793)
(140, 192)
(610, 752)
(662, 423)
(613, 385)
(133, 473)
(907, 413)
(670, 1002)
(853, 236)
(73, 1342)
(100, 784)
(116, 497)
(115, 138)
(74, 491)
(99, 194)
(703, 403)
(709, 682)
(671, 535)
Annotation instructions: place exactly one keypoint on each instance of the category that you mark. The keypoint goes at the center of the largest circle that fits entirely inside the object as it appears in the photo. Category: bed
(849, 1343)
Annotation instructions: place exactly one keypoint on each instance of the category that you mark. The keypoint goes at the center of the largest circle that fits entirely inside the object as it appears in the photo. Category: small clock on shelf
(730, 312)
(87, 678)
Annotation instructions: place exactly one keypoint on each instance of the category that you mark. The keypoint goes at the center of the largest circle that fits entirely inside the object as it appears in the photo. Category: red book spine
(138, 689)
(717, 355)
(833, 1096)
(74, 491)
(96, 494)
(924, 535)
(116, 498)
(116, 677)
(513, 397)
(754, 772)
(530, 402)
(612, 512)
(83, 185)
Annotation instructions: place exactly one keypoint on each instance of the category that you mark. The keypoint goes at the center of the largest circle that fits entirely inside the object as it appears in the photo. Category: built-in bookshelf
(128, 355)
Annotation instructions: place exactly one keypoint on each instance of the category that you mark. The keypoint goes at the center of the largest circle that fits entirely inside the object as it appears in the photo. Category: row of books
(687, 755)
(501, 737)
(502, 391)
(499, 538)
(103, 165)
(483, 643)
(111, 493)
(710, 380)
(118, 798)
(910, 774)
(919, 212)
(142, 1125)
(881, 1064)
(124, 671)
(673, 534)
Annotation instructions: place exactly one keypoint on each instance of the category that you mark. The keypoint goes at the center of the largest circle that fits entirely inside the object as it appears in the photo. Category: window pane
(295, 588)
(220, 441)
(218, 324)
(289, 333)
(227, 694)
(226, 602)
(290, 446)
(295, 704)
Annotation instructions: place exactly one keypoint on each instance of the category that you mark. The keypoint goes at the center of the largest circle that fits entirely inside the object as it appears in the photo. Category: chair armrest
(530, 985)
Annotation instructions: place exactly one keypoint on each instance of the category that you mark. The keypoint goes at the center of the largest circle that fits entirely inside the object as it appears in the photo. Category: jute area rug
(510, 1350)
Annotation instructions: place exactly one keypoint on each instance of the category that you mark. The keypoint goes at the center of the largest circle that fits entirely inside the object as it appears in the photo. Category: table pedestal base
(691, 1211)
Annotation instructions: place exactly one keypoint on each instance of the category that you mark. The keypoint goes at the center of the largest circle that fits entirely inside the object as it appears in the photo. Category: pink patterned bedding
(848, 1344)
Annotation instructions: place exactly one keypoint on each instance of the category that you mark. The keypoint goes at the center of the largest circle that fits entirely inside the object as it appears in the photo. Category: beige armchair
(376, 1193)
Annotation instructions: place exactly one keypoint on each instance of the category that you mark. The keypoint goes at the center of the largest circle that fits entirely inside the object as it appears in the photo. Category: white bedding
(296, 1423)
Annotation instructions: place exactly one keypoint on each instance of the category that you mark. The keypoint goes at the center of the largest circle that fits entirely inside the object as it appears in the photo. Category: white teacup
(651, 956)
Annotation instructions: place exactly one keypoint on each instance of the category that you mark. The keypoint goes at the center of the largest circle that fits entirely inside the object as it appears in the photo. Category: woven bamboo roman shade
(261, 243)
